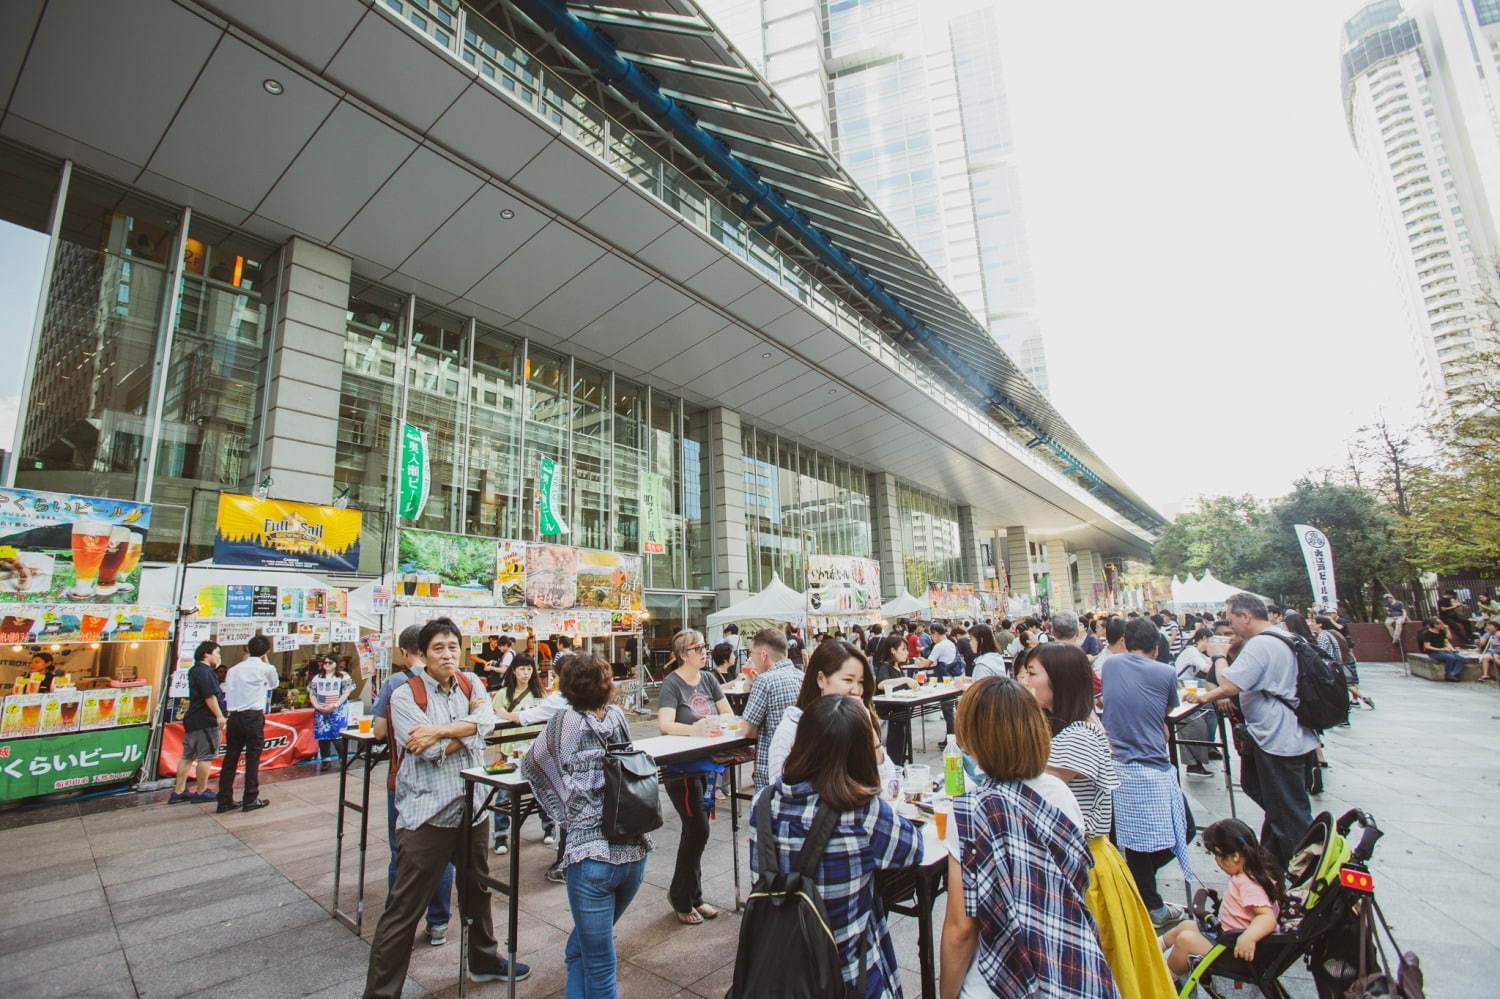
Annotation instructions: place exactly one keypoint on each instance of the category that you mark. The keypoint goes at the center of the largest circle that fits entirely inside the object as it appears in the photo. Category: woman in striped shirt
(1060, 679)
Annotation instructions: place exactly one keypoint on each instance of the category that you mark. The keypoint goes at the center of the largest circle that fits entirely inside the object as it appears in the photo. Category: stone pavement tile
(103, 975)
(148, 861)
(43, 869)
(717, 982)
(439, 974)
(243, 959)
(186, 874)
(98, 948)
(679, 956)
(220, 897)
(69, 884)
(44, 930)
(50, 906)
(353, 988)
(279, 979)
(166, 939)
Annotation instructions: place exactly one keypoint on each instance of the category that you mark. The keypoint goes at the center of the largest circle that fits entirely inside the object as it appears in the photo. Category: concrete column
(1087, 578)
(885, 511)
(1060, 576)
(1018, 562)
(1099, 577)
(731, 564)
(968, 548)
(307, 364)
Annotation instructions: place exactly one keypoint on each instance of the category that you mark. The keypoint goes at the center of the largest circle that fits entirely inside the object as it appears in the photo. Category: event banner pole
(1318, 554)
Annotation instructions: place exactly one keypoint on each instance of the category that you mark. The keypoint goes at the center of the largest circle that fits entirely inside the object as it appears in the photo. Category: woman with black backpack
(831, 783)
(566, 770)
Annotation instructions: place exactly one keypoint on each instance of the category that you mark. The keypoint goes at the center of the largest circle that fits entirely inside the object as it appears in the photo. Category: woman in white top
(835, 668)
(987, 658)
(1193, 661)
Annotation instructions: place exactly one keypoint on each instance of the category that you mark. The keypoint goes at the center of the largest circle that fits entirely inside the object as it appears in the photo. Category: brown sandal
(707, 911)
(688, 918)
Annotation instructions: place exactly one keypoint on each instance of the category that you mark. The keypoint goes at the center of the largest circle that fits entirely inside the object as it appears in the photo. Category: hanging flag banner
(416, 478)
(281, 534)
(653, 527)
(548, 488)
(1318, 554)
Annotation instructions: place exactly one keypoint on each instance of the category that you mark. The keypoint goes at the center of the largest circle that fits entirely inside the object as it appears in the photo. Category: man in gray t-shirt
(1273, 768)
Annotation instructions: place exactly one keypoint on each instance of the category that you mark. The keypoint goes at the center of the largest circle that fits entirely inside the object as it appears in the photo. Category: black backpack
(786, 948)
(1322, 693)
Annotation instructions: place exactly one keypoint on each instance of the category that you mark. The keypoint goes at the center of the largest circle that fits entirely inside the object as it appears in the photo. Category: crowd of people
(1054, 848)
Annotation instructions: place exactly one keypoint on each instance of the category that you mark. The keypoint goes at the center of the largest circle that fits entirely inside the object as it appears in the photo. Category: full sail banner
(1318, 554)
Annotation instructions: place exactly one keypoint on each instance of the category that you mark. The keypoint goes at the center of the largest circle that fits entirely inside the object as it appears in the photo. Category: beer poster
(99, 707)
(842, 586)
(281, 534)
(510, 574)
(447, 569)
(60, 711)
(609, 580)
(58, 547)
(22, 715)
(551, 576)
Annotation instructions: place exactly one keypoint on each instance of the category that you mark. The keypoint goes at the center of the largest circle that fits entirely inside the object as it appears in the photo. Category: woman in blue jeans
(565, 768)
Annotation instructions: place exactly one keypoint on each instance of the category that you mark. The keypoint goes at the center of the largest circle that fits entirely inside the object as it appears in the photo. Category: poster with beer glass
(58, 547)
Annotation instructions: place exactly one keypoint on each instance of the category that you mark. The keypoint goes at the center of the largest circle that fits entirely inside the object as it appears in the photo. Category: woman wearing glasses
(690, 696)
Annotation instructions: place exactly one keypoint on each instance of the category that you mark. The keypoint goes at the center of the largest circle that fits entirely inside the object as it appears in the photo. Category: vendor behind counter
(91, 665)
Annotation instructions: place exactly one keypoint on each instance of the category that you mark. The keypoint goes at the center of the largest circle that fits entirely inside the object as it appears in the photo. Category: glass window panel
(369, 406)
(664, 619)
(90, 408)
(589, 476)
(629, 459)
(666, 569)
(698, 501)
(435, 378)
(547, 420)
(493, 506)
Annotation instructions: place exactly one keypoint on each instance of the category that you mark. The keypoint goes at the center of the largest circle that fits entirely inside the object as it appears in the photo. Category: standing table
(372, 752)
(914, 892)
(898, 707)
(1180, 716)
(664, 749)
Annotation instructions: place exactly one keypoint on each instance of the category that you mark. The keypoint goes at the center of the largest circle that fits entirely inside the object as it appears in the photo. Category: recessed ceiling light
(833, 391)
(507, 214)
(767, 354)
(272, 87)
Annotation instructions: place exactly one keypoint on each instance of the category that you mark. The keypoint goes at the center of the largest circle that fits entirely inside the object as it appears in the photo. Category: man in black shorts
(201, 726)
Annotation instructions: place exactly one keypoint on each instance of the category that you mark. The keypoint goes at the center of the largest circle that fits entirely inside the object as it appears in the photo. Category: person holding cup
(690, 702)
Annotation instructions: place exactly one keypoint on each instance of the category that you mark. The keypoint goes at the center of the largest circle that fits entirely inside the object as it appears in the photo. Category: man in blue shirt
(945, 663)
(440, 909)
(201, 726)
(1150, 821)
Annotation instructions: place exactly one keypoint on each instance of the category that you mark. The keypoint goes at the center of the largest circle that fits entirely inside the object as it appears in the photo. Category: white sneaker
(549, 840)
(502, 848)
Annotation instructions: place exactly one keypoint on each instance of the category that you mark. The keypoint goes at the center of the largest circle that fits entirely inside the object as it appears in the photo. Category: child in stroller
(1252, 901)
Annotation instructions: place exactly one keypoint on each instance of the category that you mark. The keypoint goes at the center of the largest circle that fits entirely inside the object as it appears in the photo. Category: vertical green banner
(416, 481)
(653, 528)
(551, 521)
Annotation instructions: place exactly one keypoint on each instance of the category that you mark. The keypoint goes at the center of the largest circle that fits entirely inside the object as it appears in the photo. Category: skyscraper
(1421, 84)
(909, 95)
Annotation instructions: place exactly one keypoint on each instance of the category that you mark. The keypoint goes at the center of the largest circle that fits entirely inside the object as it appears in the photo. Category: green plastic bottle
(953, 768)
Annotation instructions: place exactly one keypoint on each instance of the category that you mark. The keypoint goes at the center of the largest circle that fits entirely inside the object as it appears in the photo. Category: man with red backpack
(438, 724)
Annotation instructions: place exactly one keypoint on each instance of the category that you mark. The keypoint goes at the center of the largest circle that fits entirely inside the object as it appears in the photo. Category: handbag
(632, 793)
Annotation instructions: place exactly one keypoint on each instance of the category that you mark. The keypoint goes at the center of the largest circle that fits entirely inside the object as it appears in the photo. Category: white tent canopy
(1207, 591)
(904, 605)
(775, 605)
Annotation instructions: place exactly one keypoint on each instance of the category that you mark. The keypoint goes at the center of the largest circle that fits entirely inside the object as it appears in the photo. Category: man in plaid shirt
(775, 688)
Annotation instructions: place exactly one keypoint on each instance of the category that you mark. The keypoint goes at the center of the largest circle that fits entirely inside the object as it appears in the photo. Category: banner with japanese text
(415, 473)
(549, 499)
(64, 547)
(653, 524)
(1318, 554)
(843, 586)
(48, 764)
(288, 741)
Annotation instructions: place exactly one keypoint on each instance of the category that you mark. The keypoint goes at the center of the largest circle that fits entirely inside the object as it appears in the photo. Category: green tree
(1217, 535)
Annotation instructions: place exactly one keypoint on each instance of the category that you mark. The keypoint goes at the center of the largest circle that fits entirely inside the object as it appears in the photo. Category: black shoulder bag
(632, 791)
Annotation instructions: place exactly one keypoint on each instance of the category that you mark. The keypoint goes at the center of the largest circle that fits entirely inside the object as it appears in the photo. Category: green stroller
(1334, 926)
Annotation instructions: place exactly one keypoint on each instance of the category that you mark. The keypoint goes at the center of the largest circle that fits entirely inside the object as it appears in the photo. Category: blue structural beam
(598, 51)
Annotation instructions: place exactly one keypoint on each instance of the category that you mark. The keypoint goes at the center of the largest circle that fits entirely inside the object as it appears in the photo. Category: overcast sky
(1217, 304)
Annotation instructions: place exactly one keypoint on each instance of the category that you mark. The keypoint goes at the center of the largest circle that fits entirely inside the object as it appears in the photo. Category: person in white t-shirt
(247, 687)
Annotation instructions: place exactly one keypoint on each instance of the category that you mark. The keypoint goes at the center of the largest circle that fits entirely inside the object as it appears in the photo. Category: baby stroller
(1333, 925)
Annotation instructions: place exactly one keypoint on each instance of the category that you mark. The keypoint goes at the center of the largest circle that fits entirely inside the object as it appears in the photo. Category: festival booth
(1207, 593)
(81, 651)
(953, 601)
(268, 577)
(531, 591)
(905, 605)
(842, 591)
(772, 607)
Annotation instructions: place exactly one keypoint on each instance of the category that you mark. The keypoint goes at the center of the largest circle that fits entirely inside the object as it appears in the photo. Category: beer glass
(90, 539)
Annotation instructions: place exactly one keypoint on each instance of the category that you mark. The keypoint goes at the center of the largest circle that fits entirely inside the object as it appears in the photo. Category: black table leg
(513, 903)
(338, 846)
(368, 751)
(734, 830)
(926, 898)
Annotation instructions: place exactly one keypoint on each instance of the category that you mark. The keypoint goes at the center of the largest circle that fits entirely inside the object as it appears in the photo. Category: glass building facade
(929, 538)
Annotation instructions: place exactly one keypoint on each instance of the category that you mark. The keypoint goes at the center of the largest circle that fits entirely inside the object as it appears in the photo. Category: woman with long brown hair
(835, 668)
(1059, 678)
(832, 772)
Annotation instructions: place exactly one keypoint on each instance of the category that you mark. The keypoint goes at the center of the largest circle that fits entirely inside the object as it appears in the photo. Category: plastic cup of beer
(940, 812)
(364, 724)
(715, 727)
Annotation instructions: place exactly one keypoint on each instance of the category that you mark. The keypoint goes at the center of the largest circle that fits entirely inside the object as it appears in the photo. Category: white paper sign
(272, 628)
(345, 631)
(285, 643)
(179, 684)
(236, 632)
(191, 632)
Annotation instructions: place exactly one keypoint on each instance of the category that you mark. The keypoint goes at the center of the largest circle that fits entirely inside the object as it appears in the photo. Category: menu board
(842, 586)
(133, 706)
(36, 623)
(60, 711)
(447, 569)
(99, 706)
(22, 715)
(64, 547)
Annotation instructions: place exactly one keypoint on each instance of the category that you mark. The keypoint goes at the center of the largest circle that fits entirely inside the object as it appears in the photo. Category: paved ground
(128, 896)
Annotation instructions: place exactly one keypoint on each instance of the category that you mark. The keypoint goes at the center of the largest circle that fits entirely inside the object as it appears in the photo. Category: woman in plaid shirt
(833, 761)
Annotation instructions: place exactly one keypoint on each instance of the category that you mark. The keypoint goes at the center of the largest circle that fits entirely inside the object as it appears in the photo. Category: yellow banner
(285, 535)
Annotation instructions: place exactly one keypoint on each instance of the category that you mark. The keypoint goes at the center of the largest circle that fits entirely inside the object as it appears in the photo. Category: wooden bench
(1428, 670)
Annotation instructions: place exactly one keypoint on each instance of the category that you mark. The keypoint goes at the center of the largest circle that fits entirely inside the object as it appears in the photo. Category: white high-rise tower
(1422, 95)
(908, 94)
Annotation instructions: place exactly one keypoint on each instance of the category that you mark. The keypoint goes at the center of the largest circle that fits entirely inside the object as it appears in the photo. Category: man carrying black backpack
(1273, 768)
